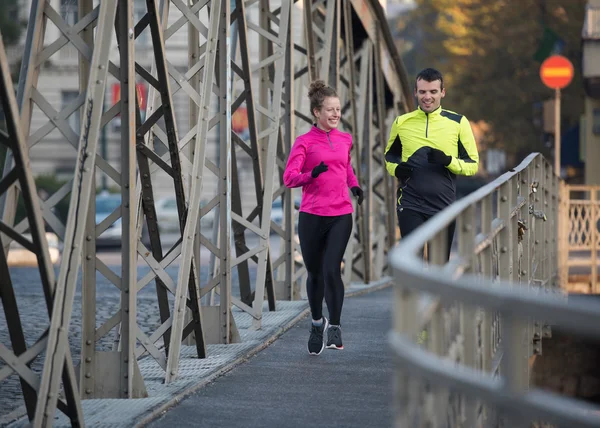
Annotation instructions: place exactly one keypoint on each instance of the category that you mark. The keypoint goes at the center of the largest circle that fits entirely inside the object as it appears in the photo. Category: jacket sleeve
(352, 180)
(293, 175)
(393, 150)
(467, 161)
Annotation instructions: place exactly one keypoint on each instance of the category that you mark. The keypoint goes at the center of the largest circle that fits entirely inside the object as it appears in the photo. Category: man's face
(429, 94)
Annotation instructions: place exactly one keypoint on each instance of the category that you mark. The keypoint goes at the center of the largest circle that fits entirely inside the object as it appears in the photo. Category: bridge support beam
(243, 59)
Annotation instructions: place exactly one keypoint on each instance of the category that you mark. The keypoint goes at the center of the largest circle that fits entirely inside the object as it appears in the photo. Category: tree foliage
(10, 25)
(485, 49)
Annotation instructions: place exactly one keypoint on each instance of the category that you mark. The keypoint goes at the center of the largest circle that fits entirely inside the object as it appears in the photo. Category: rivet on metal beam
(504, 249)
(504, 198)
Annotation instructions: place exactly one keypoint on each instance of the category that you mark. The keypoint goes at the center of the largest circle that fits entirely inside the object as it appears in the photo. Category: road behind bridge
(284, 386)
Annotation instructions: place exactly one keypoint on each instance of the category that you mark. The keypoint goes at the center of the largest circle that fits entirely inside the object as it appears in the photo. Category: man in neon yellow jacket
(427, 148)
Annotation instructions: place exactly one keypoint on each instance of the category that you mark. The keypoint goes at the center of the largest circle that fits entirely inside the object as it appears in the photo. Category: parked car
(168, 216)
(277, 212)
(106, 204)
(20, 256)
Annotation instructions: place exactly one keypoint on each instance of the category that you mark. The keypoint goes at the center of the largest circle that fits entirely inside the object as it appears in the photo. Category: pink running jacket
(328, 194)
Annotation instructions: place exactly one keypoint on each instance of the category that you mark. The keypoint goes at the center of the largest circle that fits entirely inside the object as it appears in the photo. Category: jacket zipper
(329, 139)
(426, 125)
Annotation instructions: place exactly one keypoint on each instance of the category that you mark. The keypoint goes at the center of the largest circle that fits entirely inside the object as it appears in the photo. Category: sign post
(556, 73)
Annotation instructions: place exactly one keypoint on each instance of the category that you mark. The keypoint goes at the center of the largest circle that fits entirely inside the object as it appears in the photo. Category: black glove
(358, 193)
(319, 169)
(438, 157)
(403, 171)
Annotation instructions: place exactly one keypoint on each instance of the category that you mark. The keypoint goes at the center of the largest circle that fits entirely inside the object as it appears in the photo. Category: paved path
(283, 386)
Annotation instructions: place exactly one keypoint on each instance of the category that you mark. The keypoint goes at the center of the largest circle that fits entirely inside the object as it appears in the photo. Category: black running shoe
(334, 337)
(316, 342)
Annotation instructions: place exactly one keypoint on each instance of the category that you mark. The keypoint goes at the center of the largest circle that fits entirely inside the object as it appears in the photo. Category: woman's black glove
(358, 193)
(438, 157)
(319, 169)
(403, 171)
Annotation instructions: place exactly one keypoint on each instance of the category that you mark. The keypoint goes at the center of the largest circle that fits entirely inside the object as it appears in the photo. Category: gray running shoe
(316, 342)
(334, 337)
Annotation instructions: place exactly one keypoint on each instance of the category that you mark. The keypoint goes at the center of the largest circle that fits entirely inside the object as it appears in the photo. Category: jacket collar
(318, 130)
(434, 113)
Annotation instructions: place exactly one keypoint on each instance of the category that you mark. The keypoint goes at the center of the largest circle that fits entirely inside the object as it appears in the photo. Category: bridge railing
(464, 331)
(582, 209)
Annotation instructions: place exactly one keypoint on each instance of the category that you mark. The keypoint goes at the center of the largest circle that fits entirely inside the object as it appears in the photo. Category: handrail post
(469, 316)
(404, 386)
(513, 363)
(437, 340)
(594, 237)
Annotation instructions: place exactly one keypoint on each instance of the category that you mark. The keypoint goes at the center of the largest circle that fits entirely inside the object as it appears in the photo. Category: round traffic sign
(556, 72)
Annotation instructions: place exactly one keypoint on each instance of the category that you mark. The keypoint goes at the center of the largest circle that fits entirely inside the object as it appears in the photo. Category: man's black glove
(358, 193)
(319, 169)
(438, 157)
(403, 171)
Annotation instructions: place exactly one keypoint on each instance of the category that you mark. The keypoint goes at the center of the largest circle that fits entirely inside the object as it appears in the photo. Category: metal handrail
(506, 302)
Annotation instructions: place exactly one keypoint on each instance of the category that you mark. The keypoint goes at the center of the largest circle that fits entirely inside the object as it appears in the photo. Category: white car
(168, 216)
(20, 256)
(106, 204)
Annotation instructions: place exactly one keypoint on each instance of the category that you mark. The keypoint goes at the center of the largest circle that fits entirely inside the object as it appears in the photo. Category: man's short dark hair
(430, 75)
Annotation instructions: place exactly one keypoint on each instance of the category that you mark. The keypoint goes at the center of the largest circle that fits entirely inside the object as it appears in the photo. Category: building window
(140, 9)
(67, 98)
(68, 11)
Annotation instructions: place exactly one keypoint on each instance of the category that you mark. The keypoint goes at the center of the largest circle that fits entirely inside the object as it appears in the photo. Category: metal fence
(582, 209)
(464, 331)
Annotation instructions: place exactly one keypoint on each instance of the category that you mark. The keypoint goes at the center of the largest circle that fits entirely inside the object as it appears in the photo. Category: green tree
(10, 24)
(46, 185)
(486, 51)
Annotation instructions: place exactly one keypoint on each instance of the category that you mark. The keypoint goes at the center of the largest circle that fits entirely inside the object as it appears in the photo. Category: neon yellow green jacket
(430, 187)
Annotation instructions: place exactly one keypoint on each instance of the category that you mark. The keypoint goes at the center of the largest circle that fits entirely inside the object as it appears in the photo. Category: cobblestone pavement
(34, 318)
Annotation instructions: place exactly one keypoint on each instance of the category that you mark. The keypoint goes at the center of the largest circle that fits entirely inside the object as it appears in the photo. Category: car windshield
(107, 204)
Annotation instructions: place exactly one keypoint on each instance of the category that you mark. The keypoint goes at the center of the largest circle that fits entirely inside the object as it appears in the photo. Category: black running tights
(409, 220)
(323, 242)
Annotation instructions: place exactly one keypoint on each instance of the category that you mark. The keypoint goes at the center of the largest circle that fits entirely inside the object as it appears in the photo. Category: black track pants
(409, 220)
(323, 242)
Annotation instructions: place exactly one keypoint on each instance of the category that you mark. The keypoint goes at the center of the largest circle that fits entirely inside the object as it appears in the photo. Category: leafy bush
(47, 185)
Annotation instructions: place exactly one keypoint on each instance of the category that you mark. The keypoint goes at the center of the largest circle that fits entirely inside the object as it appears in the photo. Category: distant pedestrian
(426, 150)
(320, 162)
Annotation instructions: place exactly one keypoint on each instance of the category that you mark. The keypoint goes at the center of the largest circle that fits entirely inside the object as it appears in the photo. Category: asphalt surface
(282, 386)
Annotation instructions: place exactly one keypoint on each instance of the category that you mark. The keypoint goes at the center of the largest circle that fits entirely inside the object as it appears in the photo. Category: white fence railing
(582, 208)
(464, 332)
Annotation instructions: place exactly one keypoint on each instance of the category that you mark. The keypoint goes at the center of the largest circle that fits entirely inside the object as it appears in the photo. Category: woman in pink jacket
(320, 162)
